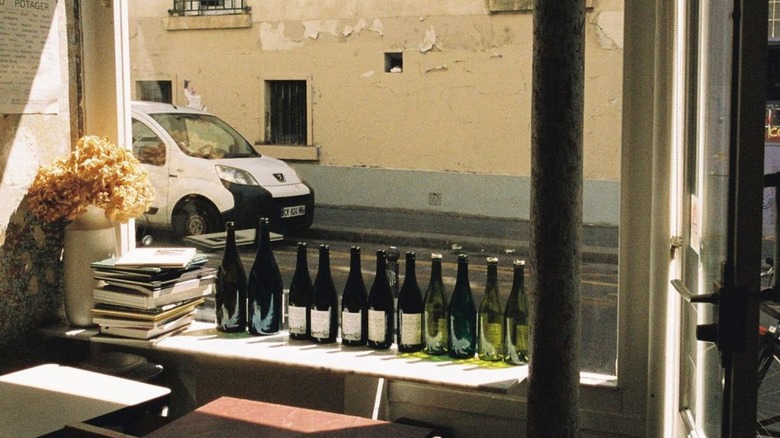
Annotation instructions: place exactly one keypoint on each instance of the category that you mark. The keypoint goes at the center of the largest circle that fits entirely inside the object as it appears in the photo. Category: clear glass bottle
(436, 316)
(264, 288)
(324, 307)
(354, 304)
(410, 310)
(230, 294)
(299, 307)
(490, 346)
(516, 345)
(462, 326)
(380, 307)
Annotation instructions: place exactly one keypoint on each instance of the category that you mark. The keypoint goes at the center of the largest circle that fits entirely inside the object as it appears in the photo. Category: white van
(205, 174)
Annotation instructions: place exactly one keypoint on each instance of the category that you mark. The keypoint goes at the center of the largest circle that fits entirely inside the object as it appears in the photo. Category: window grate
(774, 19)
(154, 91)
(287, 112)
(208, 7)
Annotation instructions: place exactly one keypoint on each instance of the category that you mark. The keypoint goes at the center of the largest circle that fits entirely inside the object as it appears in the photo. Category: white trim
(125, 232)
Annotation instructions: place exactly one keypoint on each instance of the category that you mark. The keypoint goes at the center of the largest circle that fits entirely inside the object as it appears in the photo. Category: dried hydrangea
(97, 172)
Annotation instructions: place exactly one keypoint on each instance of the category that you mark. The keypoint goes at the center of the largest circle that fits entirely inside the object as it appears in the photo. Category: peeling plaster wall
(462, 103)
(30, 265)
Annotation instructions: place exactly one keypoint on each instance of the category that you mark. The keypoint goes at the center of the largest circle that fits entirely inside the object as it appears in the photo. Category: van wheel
(195, 218)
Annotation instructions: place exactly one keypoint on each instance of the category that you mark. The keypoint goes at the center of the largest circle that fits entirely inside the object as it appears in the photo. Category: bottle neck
(230, 241)
(518, 279)
(463, 272)
(323, 272)
(264, 244)
(411, 271)
(492, 279)
(436, 271)
(354, 264)
(302, 263)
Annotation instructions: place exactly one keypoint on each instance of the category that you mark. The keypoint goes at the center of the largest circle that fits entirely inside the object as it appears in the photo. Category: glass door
(720, 156)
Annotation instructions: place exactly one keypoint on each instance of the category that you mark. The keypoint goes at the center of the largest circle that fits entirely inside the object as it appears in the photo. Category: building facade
(405, 105)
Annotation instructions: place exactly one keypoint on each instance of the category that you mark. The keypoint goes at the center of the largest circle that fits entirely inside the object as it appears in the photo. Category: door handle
(728, 332)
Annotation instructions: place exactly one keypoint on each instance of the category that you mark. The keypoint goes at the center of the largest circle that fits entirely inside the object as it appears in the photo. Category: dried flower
(97, 172)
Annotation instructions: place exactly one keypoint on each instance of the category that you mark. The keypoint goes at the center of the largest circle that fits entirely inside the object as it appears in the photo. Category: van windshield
(205, 136)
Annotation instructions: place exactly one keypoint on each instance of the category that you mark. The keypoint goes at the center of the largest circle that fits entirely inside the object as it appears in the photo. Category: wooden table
(43, 399)
(229, 416)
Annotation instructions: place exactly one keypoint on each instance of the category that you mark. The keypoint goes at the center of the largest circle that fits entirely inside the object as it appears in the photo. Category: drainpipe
(556, 216)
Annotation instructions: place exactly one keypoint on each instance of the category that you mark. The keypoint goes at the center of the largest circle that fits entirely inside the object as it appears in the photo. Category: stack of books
(150, 292)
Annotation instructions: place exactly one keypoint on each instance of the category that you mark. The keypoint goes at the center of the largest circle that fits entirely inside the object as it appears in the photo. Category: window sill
(231, 21)
(299, 153)
(204, 341)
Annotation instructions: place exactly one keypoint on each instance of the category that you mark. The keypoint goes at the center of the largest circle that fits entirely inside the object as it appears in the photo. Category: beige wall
(462, 103)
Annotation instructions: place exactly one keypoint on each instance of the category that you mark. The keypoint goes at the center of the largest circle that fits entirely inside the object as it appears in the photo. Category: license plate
(295, 210)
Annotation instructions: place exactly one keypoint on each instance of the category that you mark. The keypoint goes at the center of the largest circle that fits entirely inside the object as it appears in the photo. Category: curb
(467, 244)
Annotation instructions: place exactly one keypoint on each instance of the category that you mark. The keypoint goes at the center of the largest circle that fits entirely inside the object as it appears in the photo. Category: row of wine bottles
(433, 322)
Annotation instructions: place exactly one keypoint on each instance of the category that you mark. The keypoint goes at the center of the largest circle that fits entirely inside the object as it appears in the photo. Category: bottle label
(492, 333)
(376, 325)
(442, 326)
(320, 323)
(351, 325)
(297, 319)
(522, 337)
(411, 328)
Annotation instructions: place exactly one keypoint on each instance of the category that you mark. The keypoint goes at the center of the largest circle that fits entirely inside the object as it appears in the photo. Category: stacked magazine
(150, 292)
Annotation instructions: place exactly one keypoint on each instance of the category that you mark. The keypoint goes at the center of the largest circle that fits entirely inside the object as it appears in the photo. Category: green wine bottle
(354, 304)
(516, 319)
(435, 317)
(299, 308)
(462, 326)
(324, 305)
(380, 307)
(230, 295)
(491, 317)
(264, 288)
(410, 310)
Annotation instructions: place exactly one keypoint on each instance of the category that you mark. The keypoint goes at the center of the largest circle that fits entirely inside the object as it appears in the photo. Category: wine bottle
(462, 327)
(324, 305)
(410, 310)
(435, 317)
(264, 288)
(380, 307)
(354, 304)
(230, 294)
(491, 317)
(516, 319)
(299, 307)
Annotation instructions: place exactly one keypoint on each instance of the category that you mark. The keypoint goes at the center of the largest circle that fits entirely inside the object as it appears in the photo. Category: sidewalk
(434, 230)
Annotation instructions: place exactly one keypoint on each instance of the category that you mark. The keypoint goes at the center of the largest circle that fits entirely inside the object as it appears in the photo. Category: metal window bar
(207, 7)
(288, 112)
(774, 18)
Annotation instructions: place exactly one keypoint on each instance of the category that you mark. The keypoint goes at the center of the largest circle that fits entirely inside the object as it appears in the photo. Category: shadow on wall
(30, 285)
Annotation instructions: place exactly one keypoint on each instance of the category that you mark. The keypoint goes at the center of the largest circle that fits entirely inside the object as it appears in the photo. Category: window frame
(621, 404)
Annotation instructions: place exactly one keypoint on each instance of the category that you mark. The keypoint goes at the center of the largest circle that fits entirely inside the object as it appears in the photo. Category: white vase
(89, 238)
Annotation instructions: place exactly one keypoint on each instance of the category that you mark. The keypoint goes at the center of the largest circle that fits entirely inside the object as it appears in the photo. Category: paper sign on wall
(29, 57)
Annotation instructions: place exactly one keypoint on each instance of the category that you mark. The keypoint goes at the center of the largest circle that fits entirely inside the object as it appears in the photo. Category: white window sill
(228, 21)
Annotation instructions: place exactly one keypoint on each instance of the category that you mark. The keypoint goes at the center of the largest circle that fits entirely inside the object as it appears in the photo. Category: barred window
(286, 112)
(154, 91)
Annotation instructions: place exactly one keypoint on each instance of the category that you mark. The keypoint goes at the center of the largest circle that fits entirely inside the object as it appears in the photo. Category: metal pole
(556, 216)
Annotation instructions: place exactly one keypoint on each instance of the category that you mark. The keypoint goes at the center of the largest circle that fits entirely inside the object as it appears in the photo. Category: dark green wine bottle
(410, 310)
(462, 342)
(380, 307)
(490, 346)
(230, 294)
(516, 319)
(436, 316)
(324, 307)
(264, 288)
(354, 304)
(299, 307)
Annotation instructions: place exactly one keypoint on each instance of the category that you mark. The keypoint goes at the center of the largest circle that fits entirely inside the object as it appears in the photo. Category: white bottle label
(351, 325)
(320, 323)
(376, 325)
(296, 317)
(411, 328)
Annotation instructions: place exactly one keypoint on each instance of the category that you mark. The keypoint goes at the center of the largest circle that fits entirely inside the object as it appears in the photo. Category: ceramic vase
(90, 237)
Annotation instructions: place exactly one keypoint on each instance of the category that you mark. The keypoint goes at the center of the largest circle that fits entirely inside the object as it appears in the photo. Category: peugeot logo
(279, 177)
